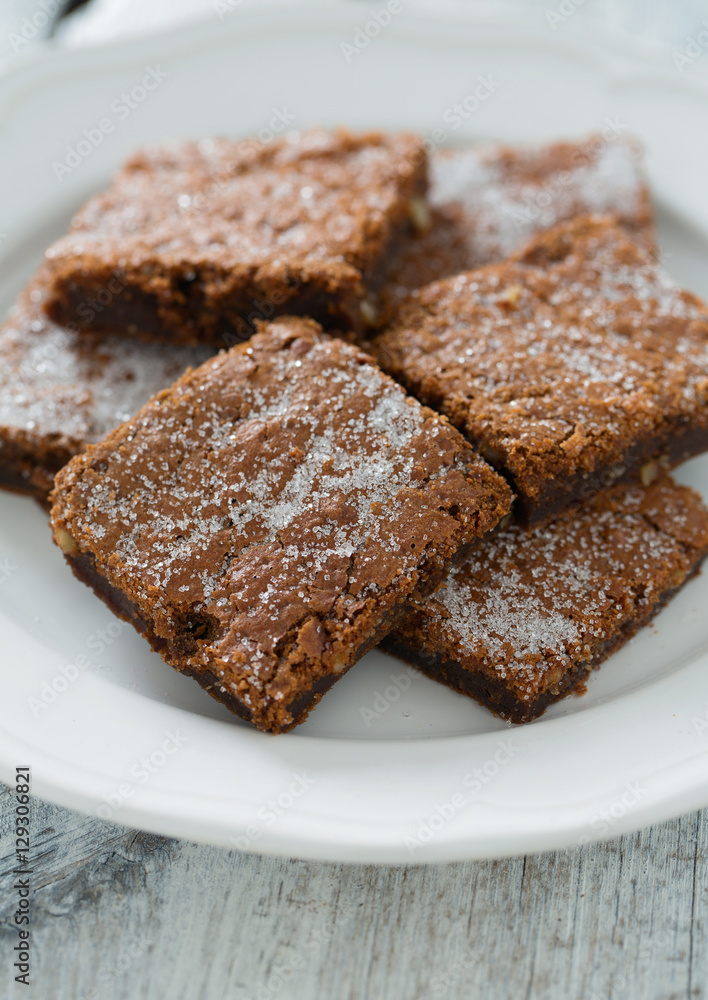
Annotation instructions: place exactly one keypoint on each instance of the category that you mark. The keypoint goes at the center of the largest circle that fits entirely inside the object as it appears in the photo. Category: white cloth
(673, 29)
(664, 24)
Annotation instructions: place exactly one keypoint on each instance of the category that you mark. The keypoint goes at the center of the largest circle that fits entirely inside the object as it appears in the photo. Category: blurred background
(676, 30)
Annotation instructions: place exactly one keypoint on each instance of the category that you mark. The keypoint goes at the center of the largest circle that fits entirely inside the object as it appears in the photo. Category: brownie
(195, 241)
(486, 201)
(263, 520)
(61, 389)
(570, 365)
(522, 621)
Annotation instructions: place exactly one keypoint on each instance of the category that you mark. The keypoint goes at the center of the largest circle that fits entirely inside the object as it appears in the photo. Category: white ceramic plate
(391, 767)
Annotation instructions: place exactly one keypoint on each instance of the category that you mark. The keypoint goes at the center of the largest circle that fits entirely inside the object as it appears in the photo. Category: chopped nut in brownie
(264, 520)
(61, 389)
(570, 365)
(487, 201)
(522, 621)
(196, 241)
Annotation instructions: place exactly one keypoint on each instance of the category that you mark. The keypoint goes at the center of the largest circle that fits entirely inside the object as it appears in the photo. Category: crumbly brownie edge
(84, 569)
(541, 497)
(557, 494)
(162, 305)
(28, 479)
(365, 634)
(496, 696)
(28, 467)
(276, 718)
(365, 627)
(179, 315)
(179, 311)
(554, 494)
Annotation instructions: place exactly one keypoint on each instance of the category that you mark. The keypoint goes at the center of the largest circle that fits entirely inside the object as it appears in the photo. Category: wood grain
(123, 915)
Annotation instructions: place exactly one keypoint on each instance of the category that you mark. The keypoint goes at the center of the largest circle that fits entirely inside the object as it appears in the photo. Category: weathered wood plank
(119, 915)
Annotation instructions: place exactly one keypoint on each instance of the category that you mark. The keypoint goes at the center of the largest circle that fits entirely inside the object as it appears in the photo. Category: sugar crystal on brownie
(263, 520)
(568, 366)
(523, 620)
(61, 389)
(200, 239)
(487, 200)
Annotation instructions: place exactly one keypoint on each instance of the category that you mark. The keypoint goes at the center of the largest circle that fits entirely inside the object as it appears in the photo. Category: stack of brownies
(288, 401)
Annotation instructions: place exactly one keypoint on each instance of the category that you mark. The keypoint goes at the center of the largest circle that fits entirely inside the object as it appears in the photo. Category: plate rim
(27, 70)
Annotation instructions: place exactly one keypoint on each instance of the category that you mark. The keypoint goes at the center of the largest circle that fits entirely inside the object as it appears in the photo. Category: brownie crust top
(556, 363)
(220, 225)
(75, 388)
(286, 494)
(61, 389)
(487, 201)
(530, 606)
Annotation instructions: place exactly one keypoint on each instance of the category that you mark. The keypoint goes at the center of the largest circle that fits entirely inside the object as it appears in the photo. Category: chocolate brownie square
(486, 201)
(195, 241)
(525, 618)
(263, 520)
(61, 389)
(570, 365)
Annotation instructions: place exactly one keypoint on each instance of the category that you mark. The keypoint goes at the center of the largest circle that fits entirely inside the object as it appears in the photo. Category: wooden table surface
(123, 915)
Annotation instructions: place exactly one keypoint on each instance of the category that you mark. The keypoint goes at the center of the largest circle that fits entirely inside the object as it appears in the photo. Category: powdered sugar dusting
(283, 489)
(526, 604)
(60, 386)
(573, 361)
(326, 196)
(487, 201)
(504, 207)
